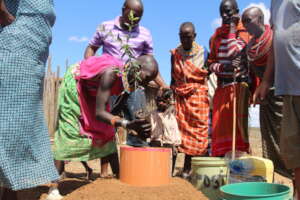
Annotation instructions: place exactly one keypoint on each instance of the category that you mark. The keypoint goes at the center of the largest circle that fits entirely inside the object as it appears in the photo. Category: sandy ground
(76, 187)
(115, 190)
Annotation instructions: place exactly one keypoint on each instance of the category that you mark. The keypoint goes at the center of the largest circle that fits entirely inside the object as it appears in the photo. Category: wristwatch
(124, 123)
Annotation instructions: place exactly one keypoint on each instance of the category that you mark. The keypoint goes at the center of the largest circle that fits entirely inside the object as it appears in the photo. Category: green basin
(255, 190)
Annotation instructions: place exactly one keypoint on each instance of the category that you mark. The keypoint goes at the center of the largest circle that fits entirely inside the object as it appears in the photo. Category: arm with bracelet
(107, 79)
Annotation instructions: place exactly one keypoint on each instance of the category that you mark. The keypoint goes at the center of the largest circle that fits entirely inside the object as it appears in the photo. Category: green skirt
(69, 144)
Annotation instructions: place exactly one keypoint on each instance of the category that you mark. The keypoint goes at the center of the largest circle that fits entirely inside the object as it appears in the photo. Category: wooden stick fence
(50, 97)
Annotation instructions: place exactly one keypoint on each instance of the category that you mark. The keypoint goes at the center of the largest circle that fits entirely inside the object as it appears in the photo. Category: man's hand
(261, 92)
(141, 126)
(235, 19)
(90, 51)
(162, 90)
(6, 18)
(236, 62)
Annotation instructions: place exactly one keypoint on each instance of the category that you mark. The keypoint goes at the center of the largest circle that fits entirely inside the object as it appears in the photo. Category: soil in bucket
(208, 175)
(255, 191)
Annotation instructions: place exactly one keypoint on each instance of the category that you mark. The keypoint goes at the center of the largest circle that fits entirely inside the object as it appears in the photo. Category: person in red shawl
(189, 83)
(228, 61)
(259, 53)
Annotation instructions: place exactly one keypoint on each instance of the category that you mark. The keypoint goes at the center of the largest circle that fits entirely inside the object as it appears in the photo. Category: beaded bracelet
(114, 119)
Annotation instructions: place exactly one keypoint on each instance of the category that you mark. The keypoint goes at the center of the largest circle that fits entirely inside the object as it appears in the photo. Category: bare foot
(107, 176)
(103, 175)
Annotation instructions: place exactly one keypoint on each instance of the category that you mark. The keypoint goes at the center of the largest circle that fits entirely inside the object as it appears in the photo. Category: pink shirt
(112, 37)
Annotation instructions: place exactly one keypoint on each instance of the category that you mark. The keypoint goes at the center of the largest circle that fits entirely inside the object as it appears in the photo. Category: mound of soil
(112, 189)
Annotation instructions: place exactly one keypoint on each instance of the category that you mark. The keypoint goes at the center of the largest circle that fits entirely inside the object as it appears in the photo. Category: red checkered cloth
(191, 95)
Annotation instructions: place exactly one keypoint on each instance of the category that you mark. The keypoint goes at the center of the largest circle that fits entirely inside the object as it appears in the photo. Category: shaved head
(187, 26)
(147, 71)
(133, 5)
(136, 6)
(148, 65)
(232, 2)
(256, 12)
(187, 34)
(253, 21)
(228, 9)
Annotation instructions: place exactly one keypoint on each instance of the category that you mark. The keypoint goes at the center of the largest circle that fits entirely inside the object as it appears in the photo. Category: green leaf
(138, 78)
(124, 47)
(131, 15)
(102, 28)
(117, 70)
(136, 19)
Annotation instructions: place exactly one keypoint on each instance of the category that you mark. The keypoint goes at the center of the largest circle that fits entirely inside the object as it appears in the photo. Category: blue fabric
(25, 155)
(286, 25)
(205, 54)
(136, 101)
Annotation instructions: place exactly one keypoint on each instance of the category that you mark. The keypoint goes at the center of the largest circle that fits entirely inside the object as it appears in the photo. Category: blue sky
(77, 21)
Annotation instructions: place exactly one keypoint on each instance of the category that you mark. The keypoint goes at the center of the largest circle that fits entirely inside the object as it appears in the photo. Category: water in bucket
(255, 191)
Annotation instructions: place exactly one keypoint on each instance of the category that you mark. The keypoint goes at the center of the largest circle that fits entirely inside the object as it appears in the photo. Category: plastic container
(145, 167)
(246, 168)
(208, 175)
(255, 191)
(262, 167)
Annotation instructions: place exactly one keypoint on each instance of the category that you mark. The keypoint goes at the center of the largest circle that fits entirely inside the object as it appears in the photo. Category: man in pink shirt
(111, 36)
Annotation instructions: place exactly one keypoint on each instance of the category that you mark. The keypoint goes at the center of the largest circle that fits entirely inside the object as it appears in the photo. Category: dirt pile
(111, 189)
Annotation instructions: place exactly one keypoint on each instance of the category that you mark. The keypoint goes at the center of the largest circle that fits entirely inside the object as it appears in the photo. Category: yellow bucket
(208, 175)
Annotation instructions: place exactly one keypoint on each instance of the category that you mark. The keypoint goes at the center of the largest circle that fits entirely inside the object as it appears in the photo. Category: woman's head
(187, 35)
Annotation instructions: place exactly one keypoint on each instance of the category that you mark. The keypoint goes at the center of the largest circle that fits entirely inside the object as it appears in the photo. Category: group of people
(253, 63)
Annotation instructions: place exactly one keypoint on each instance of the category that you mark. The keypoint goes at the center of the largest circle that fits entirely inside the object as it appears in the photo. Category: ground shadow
(82, 176)
(67, 186)
(33, 194)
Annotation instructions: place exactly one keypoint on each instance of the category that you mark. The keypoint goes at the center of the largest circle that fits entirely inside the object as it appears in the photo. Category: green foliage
(132, 65)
